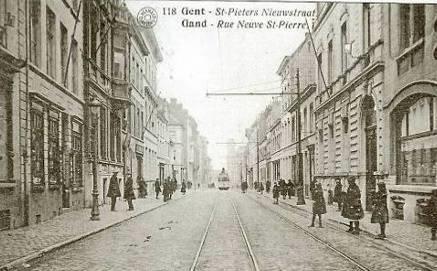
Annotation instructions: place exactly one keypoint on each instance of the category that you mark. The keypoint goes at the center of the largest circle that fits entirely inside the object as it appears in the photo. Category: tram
(223, 182)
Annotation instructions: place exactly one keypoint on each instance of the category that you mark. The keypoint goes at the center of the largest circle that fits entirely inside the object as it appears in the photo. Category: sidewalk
(413, 236)
(23, 244)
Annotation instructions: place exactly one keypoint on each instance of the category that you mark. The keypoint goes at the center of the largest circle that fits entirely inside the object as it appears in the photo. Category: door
(369, 114)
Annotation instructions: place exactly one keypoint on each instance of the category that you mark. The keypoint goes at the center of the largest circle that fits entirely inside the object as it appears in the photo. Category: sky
(201, 60)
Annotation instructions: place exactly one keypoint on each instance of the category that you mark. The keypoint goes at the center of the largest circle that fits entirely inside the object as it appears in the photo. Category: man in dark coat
(352, 208)
(380, 210)
(283, 188)
(337, 193)
(165, 191)
(290, 188)
(129, 193)
(319, 206)
(113, 190)
(157, 188)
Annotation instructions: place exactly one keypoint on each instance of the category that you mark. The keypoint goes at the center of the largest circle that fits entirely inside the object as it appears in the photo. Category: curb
(46, 250)
(428, 252)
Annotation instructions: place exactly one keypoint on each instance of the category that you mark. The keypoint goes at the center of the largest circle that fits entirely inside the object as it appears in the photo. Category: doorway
(369, 117)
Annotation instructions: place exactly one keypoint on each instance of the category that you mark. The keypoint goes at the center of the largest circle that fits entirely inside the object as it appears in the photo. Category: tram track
(341, 253)
(249, 252)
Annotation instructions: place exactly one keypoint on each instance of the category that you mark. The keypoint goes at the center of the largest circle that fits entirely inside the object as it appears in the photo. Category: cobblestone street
(202, 232)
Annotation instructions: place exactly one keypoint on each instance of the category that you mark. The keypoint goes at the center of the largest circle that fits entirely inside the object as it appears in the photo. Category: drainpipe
(25, 153)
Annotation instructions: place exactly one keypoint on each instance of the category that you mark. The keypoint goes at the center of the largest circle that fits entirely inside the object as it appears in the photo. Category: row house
(408, 155)
(298, 66)
(106, 92)
(41, 111)
(185, 144)
(349, 49)
(251, 157)
(163, 155)
(376, 97)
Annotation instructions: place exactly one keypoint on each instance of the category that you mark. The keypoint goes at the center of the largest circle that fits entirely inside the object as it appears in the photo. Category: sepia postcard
(218, 135)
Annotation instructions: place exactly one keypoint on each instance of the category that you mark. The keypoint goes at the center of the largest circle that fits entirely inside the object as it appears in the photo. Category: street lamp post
(94, 107)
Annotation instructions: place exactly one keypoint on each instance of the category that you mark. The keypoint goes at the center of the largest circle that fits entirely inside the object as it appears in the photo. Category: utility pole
(300, 196)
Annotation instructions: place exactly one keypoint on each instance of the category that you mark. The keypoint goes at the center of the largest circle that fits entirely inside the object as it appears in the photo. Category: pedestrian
(275, 193)
(157, 188)
(113, 190)
(337, 193)
(290, 188)
(183, 187)
(380, 210)
(261, 187)
(268, 185)
(165, 191)
(129, 193)
(319, 206)
(142, 187)
(283, 188)
(352, 208)
(433, 210)
(330, 195)
(170, 187)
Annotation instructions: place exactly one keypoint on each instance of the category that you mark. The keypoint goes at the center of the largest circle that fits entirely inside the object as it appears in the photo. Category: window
(76, 147)
(118, 65)
(117, 126)
(293, 127)
(75, 67)
(305, 119)
(103, 131)
(64, 55)
(330, 62)
(344, 40)
(37, 146)
(311, 117)
(137, 130)
(54, 170)
(3, 23)
(94, 31)
(367, 26)
(142, 125)
(35, 32)
(102, 47)
(51, 44)
(412, 23)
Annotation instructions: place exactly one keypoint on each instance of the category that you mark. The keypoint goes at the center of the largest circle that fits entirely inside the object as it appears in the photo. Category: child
(319, 206)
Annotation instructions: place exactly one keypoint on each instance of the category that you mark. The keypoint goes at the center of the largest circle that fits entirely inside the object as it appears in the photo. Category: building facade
(42, 155)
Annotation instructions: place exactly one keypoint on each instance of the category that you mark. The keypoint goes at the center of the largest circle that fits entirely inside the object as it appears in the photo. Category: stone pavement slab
(23, 244)
(414, 236)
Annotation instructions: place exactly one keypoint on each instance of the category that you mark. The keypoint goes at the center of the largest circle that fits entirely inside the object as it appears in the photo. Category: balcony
(120, 94)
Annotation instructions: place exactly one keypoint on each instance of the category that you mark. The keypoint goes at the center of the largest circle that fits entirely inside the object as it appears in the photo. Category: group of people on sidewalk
(281, 188)
(350, 206)
(349, 202)
(169, 187)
